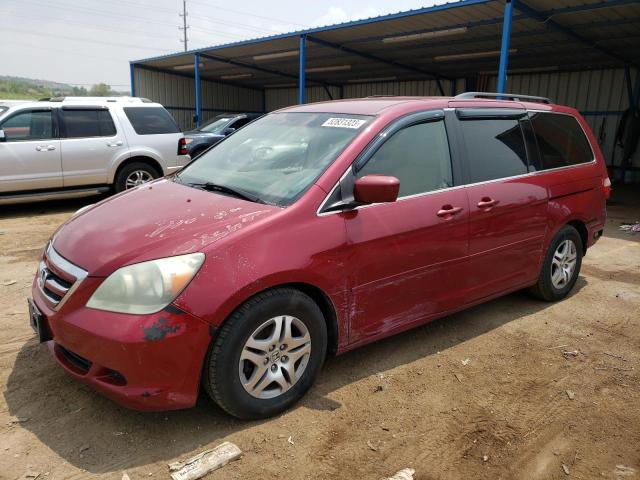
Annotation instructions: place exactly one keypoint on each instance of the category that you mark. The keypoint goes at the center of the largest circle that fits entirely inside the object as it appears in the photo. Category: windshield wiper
(214, 187)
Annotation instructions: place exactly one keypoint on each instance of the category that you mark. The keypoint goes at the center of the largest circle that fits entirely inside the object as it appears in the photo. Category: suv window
(418, 156)
(241, 122)
(495, 149)
(28, 125)
(82, 123)
(561, 141)
(151, 120)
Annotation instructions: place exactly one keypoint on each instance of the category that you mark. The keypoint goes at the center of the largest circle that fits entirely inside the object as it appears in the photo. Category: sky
(92, 41)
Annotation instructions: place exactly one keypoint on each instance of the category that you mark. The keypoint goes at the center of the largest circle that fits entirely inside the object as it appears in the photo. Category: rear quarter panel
(576, 193)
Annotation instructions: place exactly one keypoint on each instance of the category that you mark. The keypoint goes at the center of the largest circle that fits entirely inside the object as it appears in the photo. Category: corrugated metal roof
(448, 41)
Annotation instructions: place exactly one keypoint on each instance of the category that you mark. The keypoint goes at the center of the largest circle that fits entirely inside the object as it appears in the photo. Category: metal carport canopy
(442, 42)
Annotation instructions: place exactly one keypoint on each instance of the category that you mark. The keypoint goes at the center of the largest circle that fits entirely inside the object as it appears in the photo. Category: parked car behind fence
(201, 138)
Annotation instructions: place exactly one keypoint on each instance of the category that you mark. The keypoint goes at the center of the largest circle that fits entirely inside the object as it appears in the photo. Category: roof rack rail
(506, 96)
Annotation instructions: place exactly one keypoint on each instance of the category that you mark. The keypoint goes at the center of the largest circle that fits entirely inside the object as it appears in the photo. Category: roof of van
(84, 101)
(376, 105)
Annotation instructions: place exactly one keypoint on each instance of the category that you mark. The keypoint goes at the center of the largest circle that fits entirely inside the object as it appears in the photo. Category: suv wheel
(267, 354)
(561, 266)
(133, 175)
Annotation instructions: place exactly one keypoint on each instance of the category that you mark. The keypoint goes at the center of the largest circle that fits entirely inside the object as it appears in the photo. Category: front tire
(267, 354)
(561, 266)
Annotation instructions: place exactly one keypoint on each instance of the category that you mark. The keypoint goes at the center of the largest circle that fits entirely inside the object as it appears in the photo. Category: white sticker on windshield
(344, 123)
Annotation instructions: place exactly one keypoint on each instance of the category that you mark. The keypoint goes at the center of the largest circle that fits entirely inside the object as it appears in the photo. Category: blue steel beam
(186, 75)
(545, 17)
(504, 47)
(198, 85)
(258, 68)
(437, 77)
(132, 76)
(301, 68)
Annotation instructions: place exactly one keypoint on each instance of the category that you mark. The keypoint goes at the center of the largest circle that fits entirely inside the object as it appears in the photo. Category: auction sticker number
(344, 123)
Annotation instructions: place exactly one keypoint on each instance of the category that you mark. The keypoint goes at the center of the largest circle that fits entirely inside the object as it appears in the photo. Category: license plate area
(38, 322)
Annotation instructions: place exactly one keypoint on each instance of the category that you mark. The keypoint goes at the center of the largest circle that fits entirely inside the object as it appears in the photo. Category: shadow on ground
(69, 417)
(51, 207)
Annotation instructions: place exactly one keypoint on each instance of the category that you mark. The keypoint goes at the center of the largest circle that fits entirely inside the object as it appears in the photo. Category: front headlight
(146, 287)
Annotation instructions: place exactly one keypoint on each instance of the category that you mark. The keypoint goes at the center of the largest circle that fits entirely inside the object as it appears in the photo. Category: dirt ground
(480, 394)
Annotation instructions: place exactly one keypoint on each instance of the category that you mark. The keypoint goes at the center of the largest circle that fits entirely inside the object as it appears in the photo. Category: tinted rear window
(84, 123)
(151, 120)
(561, 141)
(495, 149)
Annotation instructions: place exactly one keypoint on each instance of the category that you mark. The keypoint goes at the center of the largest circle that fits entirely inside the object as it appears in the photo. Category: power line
(249, 14)
(64, 37)
(184, 27)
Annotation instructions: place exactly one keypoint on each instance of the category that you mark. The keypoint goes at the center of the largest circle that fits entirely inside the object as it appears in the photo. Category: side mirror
(229, 130)
(3, 138)
(376, 189)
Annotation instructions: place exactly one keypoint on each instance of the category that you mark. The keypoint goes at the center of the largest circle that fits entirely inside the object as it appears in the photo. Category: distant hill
(20, 88)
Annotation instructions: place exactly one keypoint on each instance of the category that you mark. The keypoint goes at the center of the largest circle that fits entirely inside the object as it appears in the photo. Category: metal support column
(132, 76)
(504, 48)
(301, 73)
(196, 68)
(627, 78)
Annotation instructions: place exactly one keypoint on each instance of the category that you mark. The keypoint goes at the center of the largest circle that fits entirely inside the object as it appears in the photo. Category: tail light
(182, 146)
(606, 188)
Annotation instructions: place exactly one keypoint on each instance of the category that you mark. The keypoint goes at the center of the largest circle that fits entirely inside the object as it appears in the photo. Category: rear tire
(133, 175)
(267, 355)
(561, 266)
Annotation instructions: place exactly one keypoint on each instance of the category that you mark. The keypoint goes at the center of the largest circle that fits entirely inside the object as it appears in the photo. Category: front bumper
(144, 362)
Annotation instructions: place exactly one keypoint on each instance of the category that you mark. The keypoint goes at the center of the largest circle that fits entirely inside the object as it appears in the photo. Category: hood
(157, 220)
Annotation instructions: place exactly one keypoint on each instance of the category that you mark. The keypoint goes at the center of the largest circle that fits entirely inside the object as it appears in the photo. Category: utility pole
(184, 27)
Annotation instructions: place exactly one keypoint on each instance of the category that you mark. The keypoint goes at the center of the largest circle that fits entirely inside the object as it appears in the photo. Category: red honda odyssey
(312, 231)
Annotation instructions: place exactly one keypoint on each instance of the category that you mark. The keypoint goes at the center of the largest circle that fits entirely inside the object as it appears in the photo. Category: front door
(405, 257)
(29, 152)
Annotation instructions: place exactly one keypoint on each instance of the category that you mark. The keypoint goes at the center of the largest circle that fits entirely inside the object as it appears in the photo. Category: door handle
(487, 203)
(448, 211)
(114, 144)
(45, 148)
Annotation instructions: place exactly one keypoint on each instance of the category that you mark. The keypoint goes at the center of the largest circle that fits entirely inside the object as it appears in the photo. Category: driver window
(28, 125)
(418, 156)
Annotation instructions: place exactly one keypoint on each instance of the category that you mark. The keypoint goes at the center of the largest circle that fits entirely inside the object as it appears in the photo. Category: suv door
(508, 207)
(406, 256)
(90, 144)
(30, 151)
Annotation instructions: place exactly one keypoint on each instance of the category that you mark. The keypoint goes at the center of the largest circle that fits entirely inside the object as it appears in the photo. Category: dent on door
(407, 261)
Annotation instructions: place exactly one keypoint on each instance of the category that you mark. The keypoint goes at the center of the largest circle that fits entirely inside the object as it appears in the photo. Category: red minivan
(311, 231)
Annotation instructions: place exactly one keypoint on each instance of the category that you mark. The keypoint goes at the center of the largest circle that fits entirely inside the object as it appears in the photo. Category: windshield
(277, 157)
(216, 126)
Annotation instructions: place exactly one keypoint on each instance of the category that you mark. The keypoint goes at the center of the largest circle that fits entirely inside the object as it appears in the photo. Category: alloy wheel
(274, 357)
(136, 178)
(563, 264)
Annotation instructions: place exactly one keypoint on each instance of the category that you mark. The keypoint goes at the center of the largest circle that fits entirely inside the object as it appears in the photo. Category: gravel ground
(486, 393)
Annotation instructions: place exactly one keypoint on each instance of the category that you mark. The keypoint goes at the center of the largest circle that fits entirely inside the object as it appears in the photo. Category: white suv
(74, 146)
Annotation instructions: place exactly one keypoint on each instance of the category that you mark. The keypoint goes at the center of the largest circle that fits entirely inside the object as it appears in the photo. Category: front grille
(57, 277)
(74, 359)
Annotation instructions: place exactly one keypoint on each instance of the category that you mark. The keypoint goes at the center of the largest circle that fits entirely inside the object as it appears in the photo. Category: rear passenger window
(151, 120)
(495, 149)
(418, 156)
(561, 141)
(85, 123)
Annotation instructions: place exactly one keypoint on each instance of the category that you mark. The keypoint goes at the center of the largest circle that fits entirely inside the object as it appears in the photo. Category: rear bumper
(145, 362)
